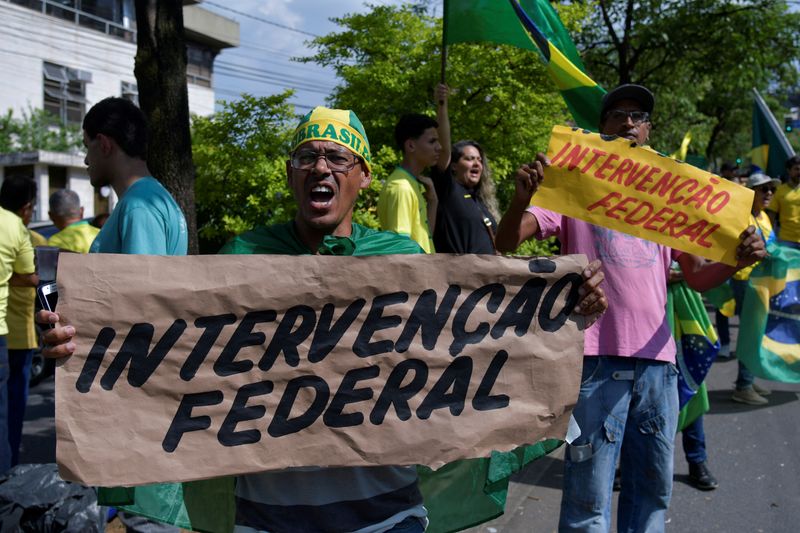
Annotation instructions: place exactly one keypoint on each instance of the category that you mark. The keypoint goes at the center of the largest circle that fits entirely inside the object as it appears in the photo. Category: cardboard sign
(614, 183)
(195, 367)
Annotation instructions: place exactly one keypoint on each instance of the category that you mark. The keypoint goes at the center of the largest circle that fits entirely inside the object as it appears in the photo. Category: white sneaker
(724, 351)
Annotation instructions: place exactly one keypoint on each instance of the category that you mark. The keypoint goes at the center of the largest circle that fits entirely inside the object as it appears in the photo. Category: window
(199, 64)
(65, 92)
(113, 17)
(130, 91)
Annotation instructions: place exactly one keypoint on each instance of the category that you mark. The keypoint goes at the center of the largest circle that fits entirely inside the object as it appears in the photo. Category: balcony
(107, 17)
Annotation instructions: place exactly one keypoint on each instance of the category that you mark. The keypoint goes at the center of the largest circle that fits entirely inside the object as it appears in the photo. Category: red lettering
(629, 219)
(604, 202)
(623, 167)
(620, 207)
(574, 157)
(597, 153)
(607, 164)
(700, 197)
(693, 231)
(635, 173)
(659, 217)
(665, 184)
(647, 179)
(560, 153)
(702, 240)
(723, 196)
(677, 220)
(677, 189)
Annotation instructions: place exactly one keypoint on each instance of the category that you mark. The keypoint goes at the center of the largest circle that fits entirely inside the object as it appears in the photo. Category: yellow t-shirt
(764, 226)
(402, 208)
(786, 203)
(21, 330)
(77, 237)
(16, 255)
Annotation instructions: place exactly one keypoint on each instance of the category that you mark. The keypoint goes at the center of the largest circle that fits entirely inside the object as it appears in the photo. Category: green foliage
(37, 130)
(532, 247)
(389, 62)
(240, 163)
(700, 58)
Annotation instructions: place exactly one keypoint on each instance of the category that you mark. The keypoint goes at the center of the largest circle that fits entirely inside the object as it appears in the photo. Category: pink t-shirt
(636, 273)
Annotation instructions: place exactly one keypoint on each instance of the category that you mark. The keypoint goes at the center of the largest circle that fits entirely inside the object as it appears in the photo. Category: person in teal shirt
(147, 220)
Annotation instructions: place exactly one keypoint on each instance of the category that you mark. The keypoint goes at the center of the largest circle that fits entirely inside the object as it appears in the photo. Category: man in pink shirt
(628, 403)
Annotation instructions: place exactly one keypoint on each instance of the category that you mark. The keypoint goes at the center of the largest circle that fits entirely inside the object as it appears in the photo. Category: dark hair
(121, 120)
(412, 126)
(486, 189)
(728, 165)
(17, 191)
(792, 161)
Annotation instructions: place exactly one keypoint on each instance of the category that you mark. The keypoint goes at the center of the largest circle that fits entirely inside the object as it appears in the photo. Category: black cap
(629, 91)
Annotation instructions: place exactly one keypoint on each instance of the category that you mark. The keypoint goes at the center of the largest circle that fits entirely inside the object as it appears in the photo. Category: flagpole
(444, 43)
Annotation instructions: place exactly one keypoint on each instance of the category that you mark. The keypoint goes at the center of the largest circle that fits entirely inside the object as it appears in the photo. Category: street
(751, 452)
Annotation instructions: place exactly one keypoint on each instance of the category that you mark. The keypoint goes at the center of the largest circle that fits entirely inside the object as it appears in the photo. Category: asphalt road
(753, 452)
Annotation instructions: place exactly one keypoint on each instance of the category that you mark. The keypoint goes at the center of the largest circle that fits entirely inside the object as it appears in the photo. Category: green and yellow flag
(771, 148)
(769, 333)
(531, 25)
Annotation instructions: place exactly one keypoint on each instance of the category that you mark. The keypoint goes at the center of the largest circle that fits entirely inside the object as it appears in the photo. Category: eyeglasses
(766, 188)
(336, 161)
(637, 117)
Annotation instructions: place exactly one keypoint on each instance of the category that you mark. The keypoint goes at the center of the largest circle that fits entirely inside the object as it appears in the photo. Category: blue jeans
(18, 384)
(694, 442)
(411, 524)
(5, 447)
(627, 409)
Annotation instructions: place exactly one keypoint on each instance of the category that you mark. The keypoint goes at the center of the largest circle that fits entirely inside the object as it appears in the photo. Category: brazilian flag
(531, 25)
(771, 148)
(697, 344)
(769, 332)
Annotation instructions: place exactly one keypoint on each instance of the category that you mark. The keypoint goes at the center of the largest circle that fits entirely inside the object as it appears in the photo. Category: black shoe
(700, 477)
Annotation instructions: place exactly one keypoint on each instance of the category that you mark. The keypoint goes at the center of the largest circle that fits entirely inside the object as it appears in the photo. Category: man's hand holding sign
(613, 199)
(608, 181)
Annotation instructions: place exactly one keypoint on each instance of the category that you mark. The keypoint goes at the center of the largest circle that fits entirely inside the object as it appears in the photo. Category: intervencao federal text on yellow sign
(617, 184)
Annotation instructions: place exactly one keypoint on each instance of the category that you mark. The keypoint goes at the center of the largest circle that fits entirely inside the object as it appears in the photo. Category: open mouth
(321, 196)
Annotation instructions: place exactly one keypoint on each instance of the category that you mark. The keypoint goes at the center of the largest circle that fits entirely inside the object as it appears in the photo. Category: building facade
(66, 55)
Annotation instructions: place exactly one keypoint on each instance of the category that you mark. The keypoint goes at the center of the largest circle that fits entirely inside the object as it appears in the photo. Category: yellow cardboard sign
(617, 184)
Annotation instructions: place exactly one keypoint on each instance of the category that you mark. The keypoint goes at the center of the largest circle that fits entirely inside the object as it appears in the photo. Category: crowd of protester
(439, 199)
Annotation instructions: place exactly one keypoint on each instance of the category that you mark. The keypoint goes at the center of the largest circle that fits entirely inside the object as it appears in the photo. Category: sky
(271, 32)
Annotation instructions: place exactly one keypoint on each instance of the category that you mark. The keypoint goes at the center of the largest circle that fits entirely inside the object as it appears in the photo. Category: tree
(160, 71)
(389, 62)
(240, 155)
(701, 58)
(37, 130)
